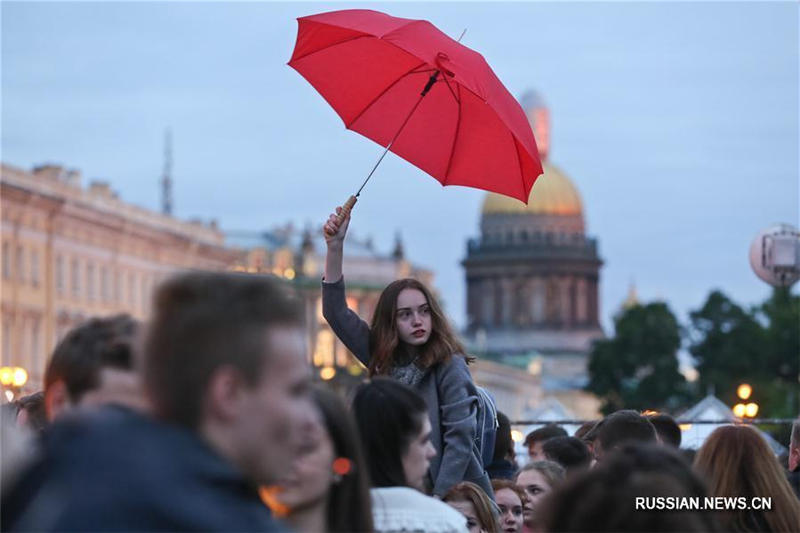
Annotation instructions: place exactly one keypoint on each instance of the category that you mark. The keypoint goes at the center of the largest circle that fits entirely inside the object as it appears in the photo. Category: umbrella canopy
(371, 68)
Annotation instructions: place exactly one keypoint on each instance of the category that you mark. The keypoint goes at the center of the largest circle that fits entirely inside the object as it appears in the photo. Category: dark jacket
(116, 470)
(448, 391)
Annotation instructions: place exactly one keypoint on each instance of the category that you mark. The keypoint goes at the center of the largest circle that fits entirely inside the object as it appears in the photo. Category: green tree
(725, 341)
(760, 346)
(638, 367)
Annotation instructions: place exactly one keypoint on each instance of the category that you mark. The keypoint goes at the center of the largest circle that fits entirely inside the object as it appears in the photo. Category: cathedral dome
(552, 194)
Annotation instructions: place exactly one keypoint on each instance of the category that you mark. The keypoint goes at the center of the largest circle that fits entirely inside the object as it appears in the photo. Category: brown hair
(88, 348)
(349, 504)
(384, 341)
(737, 461)
(202, 321)
(472, 493)
(500, 484)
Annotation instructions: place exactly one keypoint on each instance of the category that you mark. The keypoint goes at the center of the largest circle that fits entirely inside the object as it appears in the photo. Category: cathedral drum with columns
(533, 274)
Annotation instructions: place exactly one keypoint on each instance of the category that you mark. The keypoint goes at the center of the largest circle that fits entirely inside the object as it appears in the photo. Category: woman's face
(536, 487)
(510, 510)
(418, 457)
(311, 475)
(466, 508)
(413, 319)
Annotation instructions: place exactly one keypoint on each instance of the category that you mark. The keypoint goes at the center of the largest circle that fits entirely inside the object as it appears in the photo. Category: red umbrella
(424, 96)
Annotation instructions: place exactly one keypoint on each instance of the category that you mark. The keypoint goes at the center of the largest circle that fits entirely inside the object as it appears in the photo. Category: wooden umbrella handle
(347, 207)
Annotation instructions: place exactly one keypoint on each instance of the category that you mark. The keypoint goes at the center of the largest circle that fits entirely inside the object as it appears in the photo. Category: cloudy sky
(678, 122)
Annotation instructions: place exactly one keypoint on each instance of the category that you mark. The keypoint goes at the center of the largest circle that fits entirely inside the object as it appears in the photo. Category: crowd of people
(206, 418)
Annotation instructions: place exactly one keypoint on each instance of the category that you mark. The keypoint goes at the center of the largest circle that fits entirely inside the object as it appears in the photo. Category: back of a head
(388, 415)
(667, 429)
(737, 461)
(503, 444)
(349, 506)
(569, 452)
(32, 408)
(202, 321)
(623, 426)
(605, 498)
(543, 433)
(585, 428)
(96, 344)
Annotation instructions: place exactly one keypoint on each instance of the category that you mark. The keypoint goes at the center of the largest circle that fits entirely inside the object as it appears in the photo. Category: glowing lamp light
(744, 391)
(649, 412)
(685, 427)
(20, 377)
(6, 376)
(739, 410)
(327, 373)
(288, 273)
(751, 410)
(516, 435)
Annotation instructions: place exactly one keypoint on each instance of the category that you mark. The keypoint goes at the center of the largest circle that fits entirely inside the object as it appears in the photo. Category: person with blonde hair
(470, 500)
(736, 461)
(537, 479)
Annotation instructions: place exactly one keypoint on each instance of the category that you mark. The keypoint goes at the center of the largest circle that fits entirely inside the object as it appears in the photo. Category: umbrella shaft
(427, 88)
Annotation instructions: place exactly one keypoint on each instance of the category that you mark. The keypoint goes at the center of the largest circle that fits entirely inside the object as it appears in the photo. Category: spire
(632, 299)
(166, 179)
(398, 252)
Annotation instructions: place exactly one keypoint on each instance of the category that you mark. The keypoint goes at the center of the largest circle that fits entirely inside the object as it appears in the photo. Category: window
(35, 268)
(35, 345)
(104, 287)
(143, 284)
(131, 290)
(6, 261)
(6, 343)
(117, 286)
(20, 264)
(76, 278)
(90, 280)
(60, 274)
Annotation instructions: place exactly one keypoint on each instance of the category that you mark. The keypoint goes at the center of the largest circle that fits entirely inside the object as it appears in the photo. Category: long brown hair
(472, 493)
(384, 341)
(737, 461)
(349, 505)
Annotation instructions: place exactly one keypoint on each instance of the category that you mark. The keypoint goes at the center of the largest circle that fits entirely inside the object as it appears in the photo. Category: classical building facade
(71, 252)
(533, 277)
(298, 256)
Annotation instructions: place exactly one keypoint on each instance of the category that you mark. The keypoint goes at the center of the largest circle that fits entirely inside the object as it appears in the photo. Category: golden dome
(552, 194)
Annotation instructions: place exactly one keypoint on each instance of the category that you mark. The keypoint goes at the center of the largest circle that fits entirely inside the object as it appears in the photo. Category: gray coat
(448, 391)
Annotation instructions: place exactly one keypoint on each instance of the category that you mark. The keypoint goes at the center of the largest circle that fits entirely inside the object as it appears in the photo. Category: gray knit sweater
(448, 391)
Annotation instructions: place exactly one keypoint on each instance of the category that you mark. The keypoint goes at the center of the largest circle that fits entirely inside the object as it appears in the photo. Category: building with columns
(71, 252)
(298, 256)
(533, 277)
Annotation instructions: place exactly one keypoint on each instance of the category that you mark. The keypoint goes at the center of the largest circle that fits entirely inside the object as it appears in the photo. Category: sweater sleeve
(458, 405)
(347, 325)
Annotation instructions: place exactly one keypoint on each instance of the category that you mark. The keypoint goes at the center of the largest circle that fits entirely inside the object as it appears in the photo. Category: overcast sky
(678, 123)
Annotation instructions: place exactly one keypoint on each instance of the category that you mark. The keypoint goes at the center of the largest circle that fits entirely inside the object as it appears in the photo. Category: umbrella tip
(462, 34)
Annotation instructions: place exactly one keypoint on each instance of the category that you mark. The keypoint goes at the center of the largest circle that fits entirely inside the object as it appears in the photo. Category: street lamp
(742, 410)
(12, 378)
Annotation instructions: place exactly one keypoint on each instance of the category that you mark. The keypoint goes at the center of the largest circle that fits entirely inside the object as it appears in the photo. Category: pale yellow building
(298, 256)
(71, 252)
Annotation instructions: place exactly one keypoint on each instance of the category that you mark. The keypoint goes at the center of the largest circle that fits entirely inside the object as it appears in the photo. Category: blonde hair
(737, 461)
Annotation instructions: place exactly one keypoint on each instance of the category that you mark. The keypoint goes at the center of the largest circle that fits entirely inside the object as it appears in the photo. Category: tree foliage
(638, 367)
(759, 346)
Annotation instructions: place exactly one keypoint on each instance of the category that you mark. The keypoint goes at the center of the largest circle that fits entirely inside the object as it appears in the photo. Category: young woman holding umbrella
(411, 341)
